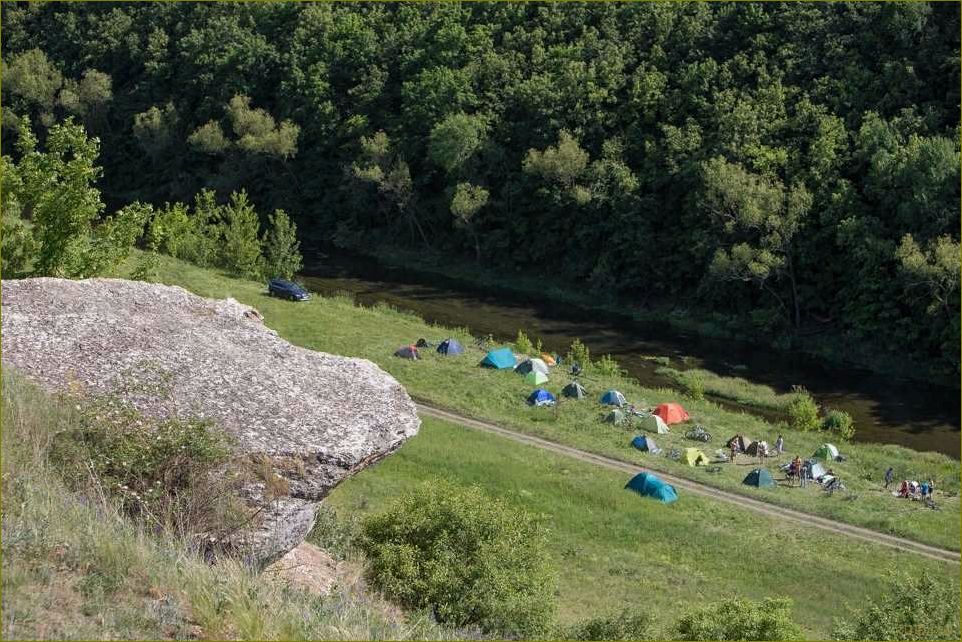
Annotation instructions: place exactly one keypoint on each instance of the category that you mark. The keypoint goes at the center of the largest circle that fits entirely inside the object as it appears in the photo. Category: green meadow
(615, 549)
(337, 325)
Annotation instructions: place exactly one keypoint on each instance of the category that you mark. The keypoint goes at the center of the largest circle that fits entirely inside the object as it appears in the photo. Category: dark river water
(885, 409)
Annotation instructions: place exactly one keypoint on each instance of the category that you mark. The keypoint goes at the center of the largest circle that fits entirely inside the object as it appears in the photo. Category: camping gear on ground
(653, 423)
(615, 417)
(671, 413)
(741, 442)
(575, 369)
(529, 365)
(407, 352)
(574, 390)
(721, 455)
(548, 359)
(694, 457)
(501, 359)
(450, 346)
(760, 478)
(613, 398)
(698, 433)
(645, 443)
(649, 485)
(541, 397)
(827, 452)
(535, 378)
(424, 343)
(758, 449)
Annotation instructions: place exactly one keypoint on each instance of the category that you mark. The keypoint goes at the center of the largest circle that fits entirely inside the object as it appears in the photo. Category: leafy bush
(468, 557)
(579, 353)
(803, 413)
(739, 619)
(840, 423)
(523, 344)
(282, 255)
(160, 471)
(242, 247)
(623, 625)
(694, 386)
(607, 366)
(919, 608)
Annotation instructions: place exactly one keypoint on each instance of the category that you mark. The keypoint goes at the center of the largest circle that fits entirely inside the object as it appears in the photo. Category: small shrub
(738, 619)
(522, 344)
(912, 608)
(579, 353)
(803, 413)
(694, 386)
(147, 267)
(282, 254)
(623, 625)
(607, 366)
(840, 423)
(469, 558)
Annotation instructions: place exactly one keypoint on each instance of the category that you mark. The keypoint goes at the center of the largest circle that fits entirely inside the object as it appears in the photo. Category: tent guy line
(742, 501)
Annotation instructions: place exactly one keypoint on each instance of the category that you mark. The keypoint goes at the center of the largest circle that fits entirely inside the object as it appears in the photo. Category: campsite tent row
(447, 347)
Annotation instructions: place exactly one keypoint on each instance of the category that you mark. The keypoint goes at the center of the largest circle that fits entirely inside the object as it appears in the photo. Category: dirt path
(765, 508)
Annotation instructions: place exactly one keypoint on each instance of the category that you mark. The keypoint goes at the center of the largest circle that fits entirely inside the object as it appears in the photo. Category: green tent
(615, 417)
(535, 378)
(653, 423)
(828, 452)
(760, 478)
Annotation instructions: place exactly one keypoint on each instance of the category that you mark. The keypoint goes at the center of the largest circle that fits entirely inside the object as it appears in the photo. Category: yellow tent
(694, 457)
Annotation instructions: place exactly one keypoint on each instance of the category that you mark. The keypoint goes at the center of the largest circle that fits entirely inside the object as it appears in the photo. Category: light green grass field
(615, 549)
(732, 388)
(338, 326)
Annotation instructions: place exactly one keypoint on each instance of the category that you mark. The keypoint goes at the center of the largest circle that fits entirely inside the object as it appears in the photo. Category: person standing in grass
(889, 476)
(931, 488)
(779, 445)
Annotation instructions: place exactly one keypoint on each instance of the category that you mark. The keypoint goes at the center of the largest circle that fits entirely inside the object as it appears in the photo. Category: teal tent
(648, 485)
(501, 359)
(760, 478)
(613, 398)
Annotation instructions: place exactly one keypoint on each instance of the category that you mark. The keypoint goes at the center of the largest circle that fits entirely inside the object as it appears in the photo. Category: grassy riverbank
(614, 549)
(734, 389)
(73, 567)
(337, 325)
(827, 346)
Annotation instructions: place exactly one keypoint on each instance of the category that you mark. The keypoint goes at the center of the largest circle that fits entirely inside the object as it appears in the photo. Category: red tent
(671, 413)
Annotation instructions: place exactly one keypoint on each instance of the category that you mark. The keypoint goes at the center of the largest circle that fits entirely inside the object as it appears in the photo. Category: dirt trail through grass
(701, 489)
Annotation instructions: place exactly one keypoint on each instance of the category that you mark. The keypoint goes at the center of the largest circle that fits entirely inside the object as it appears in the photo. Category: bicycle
(698, 433)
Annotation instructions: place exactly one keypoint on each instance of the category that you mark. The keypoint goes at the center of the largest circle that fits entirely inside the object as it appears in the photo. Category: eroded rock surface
(319, 418)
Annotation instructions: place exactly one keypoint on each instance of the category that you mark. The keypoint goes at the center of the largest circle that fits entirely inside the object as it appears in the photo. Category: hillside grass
(75, 568)
(337, 325)
(615, 549)
(735, 389)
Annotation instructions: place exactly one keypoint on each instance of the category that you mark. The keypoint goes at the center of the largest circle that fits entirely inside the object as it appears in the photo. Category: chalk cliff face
(318, 418)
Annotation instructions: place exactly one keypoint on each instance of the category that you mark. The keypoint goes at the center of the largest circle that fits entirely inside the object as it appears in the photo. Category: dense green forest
(795, 165)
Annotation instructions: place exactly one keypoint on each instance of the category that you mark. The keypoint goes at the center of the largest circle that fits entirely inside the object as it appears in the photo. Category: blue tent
(613, 398)
(541, 397)
(450, 346)
(648, 485)
(500, 359)
(646, 444)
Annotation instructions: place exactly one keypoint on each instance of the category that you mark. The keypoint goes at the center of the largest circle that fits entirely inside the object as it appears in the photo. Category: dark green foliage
(468, 557)
(780, 167)
(840, 423)
(910, 608)
(623, 625)
(803, 413)
(739, 619)
(282, 254)
(241, 253)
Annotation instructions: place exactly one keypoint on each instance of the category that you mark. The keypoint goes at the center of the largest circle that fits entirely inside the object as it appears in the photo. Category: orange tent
(548, 359)
(671, 413)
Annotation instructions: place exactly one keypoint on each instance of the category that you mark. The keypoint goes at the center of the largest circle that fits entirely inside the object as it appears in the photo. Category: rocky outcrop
(315, 418)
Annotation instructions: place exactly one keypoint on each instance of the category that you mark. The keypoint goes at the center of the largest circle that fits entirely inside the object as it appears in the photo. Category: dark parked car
(287, 290)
